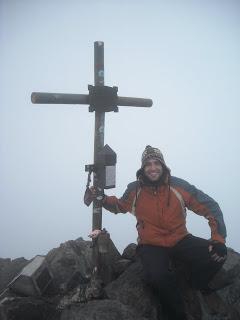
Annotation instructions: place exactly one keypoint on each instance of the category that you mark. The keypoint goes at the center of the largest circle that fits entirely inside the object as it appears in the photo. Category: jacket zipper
(159, 210)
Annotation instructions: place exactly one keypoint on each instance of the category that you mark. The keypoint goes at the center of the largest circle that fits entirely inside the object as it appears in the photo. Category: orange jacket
(161, 212)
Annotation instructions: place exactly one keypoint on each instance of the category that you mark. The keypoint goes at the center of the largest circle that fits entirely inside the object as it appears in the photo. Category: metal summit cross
(100, 99)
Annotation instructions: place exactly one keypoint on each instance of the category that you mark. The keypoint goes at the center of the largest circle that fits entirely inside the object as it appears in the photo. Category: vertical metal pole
(99, 130)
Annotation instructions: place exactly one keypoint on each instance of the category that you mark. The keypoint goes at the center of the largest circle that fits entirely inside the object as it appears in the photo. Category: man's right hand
(93, 193)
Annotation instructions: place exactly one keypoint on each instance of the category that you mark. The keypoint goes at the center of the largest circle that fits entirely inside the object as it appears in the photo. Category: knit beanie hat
(152, 153)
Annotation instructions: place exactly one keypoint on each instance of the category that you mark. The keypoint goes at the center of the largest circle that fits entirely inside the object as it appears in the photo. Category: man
(159, 202)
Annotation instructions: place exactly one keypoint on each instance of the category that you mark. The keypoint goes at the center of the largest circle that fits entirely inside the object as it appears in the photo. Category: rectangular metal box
(34, 278)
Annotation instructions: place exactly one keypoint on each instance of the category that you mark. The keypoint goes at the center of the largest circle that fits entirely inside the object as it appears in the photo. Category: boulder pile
(116, 292)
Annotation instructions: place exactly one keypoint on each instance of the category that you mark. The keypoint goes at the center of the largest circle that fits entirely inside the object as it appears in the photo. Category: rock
(25, 308)
(120, 266)
(94, 289)
(80, 294)
(130, 290)
(230, 294)
(214, 308)
(130, 252)
(71, 264)
(9, 269)
(101, 310)
(77, 295)
(232, 264)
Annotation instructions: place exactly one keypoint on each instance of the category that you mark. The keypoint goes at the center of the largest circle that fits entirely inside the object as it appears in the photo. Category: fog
(184, 55)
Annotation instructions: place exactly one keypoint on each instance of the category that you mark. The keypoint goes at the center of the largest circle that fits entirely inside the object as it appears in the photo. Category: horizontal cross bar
(66, 98)
(134, 102)
(59, 98)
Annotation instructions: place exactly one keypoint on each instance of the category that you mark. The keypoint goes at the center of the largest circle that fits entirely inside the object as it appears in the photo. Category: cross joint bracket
(103, 98)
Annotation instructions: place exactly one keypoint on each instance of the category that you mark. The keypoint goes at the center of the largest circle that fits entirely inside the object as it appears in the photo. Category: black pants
(194, 253)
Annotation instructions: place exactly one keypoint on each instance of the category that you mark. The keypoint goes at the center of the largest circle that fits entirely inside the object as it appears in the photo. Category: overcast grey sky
(184, 55)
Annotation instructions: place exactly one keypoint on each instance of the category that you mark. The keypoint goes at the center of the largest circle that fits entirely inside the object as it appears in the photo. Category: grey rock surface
(121, 265)
(101, 310)
(25, 308)
(69, 263)
(72, 263)
(130, 252)
(231, 293)
(76, 294)
(9, 269)
(130, 290)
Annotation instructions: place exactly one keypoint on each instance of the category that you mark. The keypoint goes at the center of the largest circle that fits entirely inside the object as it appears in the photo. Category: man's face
(153, 169)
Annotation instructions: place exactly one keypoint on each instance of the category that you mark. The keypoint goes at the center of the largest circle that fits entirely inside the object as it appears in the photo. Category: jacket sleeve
(203, 205)
(123, 204)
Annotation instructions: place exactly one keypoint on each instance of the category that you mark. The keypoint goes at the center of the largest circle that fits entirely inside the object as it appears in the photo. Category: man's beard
(155, 183)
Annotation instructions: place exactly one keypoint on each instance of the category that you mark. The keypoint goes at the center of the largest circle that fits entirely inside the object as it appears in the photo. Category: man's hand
(97, 193)
(94, 234)
(93, 190)
(93, 193)
(218, 251)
